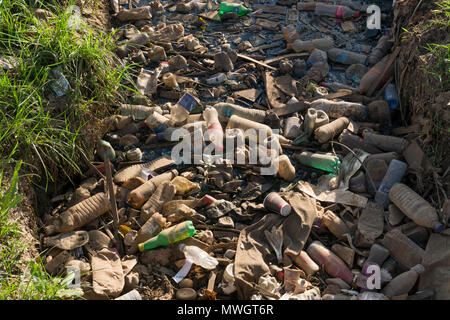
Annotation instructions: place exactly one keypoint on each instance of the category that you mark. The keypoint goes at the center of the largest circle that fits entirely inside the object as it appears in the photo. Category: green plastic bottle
(233, 7)
(168, 236)
(323, 162)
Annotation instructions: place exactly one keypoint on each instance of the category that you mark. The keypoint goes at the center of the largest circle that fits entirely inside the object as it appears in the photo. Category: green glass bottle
(168, 236)
(233, 7)
(323, 162)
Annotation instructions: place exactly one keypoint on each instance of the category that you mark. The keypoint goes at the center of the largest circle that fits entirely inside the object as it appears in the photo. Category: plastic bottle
(292, 127)
(134, 170)
(168, 236)
(355, 72)
(151, 227)
(337, 109)
(80, 214)
(233, 7)
(317, 56)
(170, 81)
(217, 79)
(346, 57)
(378, 111)
(226, 110)
(381, 49)
(336, 225)
(68, 240)
(323, 162)
(309, 45)
(335, 11)
(329, 131)
(214, 131)
(138, 196)
(332, 264)
(237, 122)
(105, 150)
(353, 141)
(184, 186)
(405, 251)
(138, 112)
(377, 254)
(404, 282)
(285, 168)
(164, 193)
(304, 261)
(181, 110)
(415, 207)
(132, 295)
(394, 174)
(390, 95)
(386, 143)
(157, 122)
(199, 256)
(374, 74)
(313, 120)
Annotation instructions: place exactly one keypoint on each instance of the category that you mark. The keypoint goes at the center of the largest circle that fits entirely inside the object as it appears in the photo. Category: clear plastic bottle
(217, 79)
(199, 257)
(337, 109)
(391, 96)
(323, 9)
(346, 57)
(394, 174)
(214, 129)
(226, 110)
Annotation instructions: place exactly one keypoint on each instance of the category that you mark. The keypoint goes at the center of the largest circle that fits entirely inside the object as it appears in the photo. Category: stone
(225, 222)
(345, 253)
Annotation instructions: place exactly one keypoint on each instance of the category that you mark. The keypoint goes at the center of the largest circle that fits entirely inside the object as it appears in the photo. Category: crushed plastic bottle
(199, 257)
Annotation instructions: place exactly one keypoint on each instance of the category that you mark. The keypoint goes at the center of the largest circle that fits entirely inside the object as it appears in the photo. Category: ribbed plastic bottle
(337, 109)
(214, 131)
(329, 131)
(80, 214)
(138, 196)
(381, 49)
(170, 235)
(394, 174)
(346, 57)
(157, 122)
(309, 45)
(320, 161)
(138, 112)
(340, 12)
(304, 261)
(332, 264)
(375, 73)
(151, 227)
(226, 110)
(335, 224)
(415, 207)
(134, 170)
(386, 143)
(404, 282)
(199, 257)
(164, 193)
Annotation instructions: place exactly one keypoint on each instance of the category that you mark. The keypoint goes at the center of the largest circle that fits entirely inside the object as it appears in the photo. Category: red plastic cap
(357, 14)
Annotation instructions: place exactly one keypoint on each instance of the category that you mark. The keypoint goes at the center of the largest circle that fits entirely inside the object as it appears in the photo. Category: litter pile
(333, 220)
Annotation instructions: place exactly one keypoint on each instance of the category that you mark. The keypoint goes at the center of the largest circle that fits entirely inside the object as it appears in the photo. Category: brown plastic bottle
(403, 249)
(80, 214)
(379, 51)
(415, 207)
(337, 109)
(329, 131)
(375, 73)
(404, 282)
(139, 195)
(354, 141)
(309, 45)
(285, 168)
(384, 142)
(133, 171)
(304, 261)
(335, 224)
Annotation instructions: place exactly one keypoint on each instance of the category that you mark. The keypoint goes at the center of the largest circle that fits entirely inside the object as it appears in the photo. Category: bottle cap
(141, 247)
(357, 14)
(438, 227)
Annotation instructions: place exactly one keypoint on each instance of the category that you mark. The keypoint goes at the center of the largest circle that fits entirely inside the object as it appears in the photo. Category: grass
(35, 125)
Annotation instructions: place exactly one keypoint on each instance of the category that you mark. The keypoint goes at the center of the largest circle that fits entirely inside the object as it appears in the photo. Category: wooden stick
(112, 197)
(244, 57)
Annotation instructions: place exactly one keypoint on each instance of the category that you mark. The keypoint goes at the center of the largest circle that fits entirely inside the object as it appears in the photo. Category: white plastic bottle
(213, 127)
(199, 256)
(217, 79)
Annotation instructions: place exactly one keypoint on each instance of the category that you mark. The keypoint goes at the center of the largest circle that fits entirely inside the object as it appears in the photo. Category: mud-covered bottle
(226, 110)
(336, 225)
(385, 142)
(404, 282)
(309, 45)
(380, 50)
(415, 207)
(335, 11)
(80, 214)
(329, 131)
(135, 170)
(374, 74)
(346, 57)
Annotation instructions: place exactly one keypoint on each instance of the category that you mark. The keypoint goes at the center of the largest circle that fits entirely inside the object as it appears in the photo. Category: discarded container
(168, 236)
(135, 170)
(214, 131)
(309, 45)
(292, 127)
(415, 207)
(157, 122)
(141, 194)
(346, 57)
(68, 240)
(304, 261)
(335, 224)
(356, 72)
(374, 74)
(233, 7)
(138, 112)
(132, 295)
(386, 143)
(106, 151)
(217, 79)
(337, 109)
(274, 202)
(184, 186)
(323, 9)
(317, 56)
(170, 81)
(199, 257)
(405, 251)
(323, 162)
(183, 108)
(329, 131)
(285, 168)
(404, 282)
(391, 96)
(381, 49)
(222, 62)
(80, 214)
(332, 264)
(290, 33)
(141, 13)
(151, 227)
(394, 174)
(237, 122)
(163, 193)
